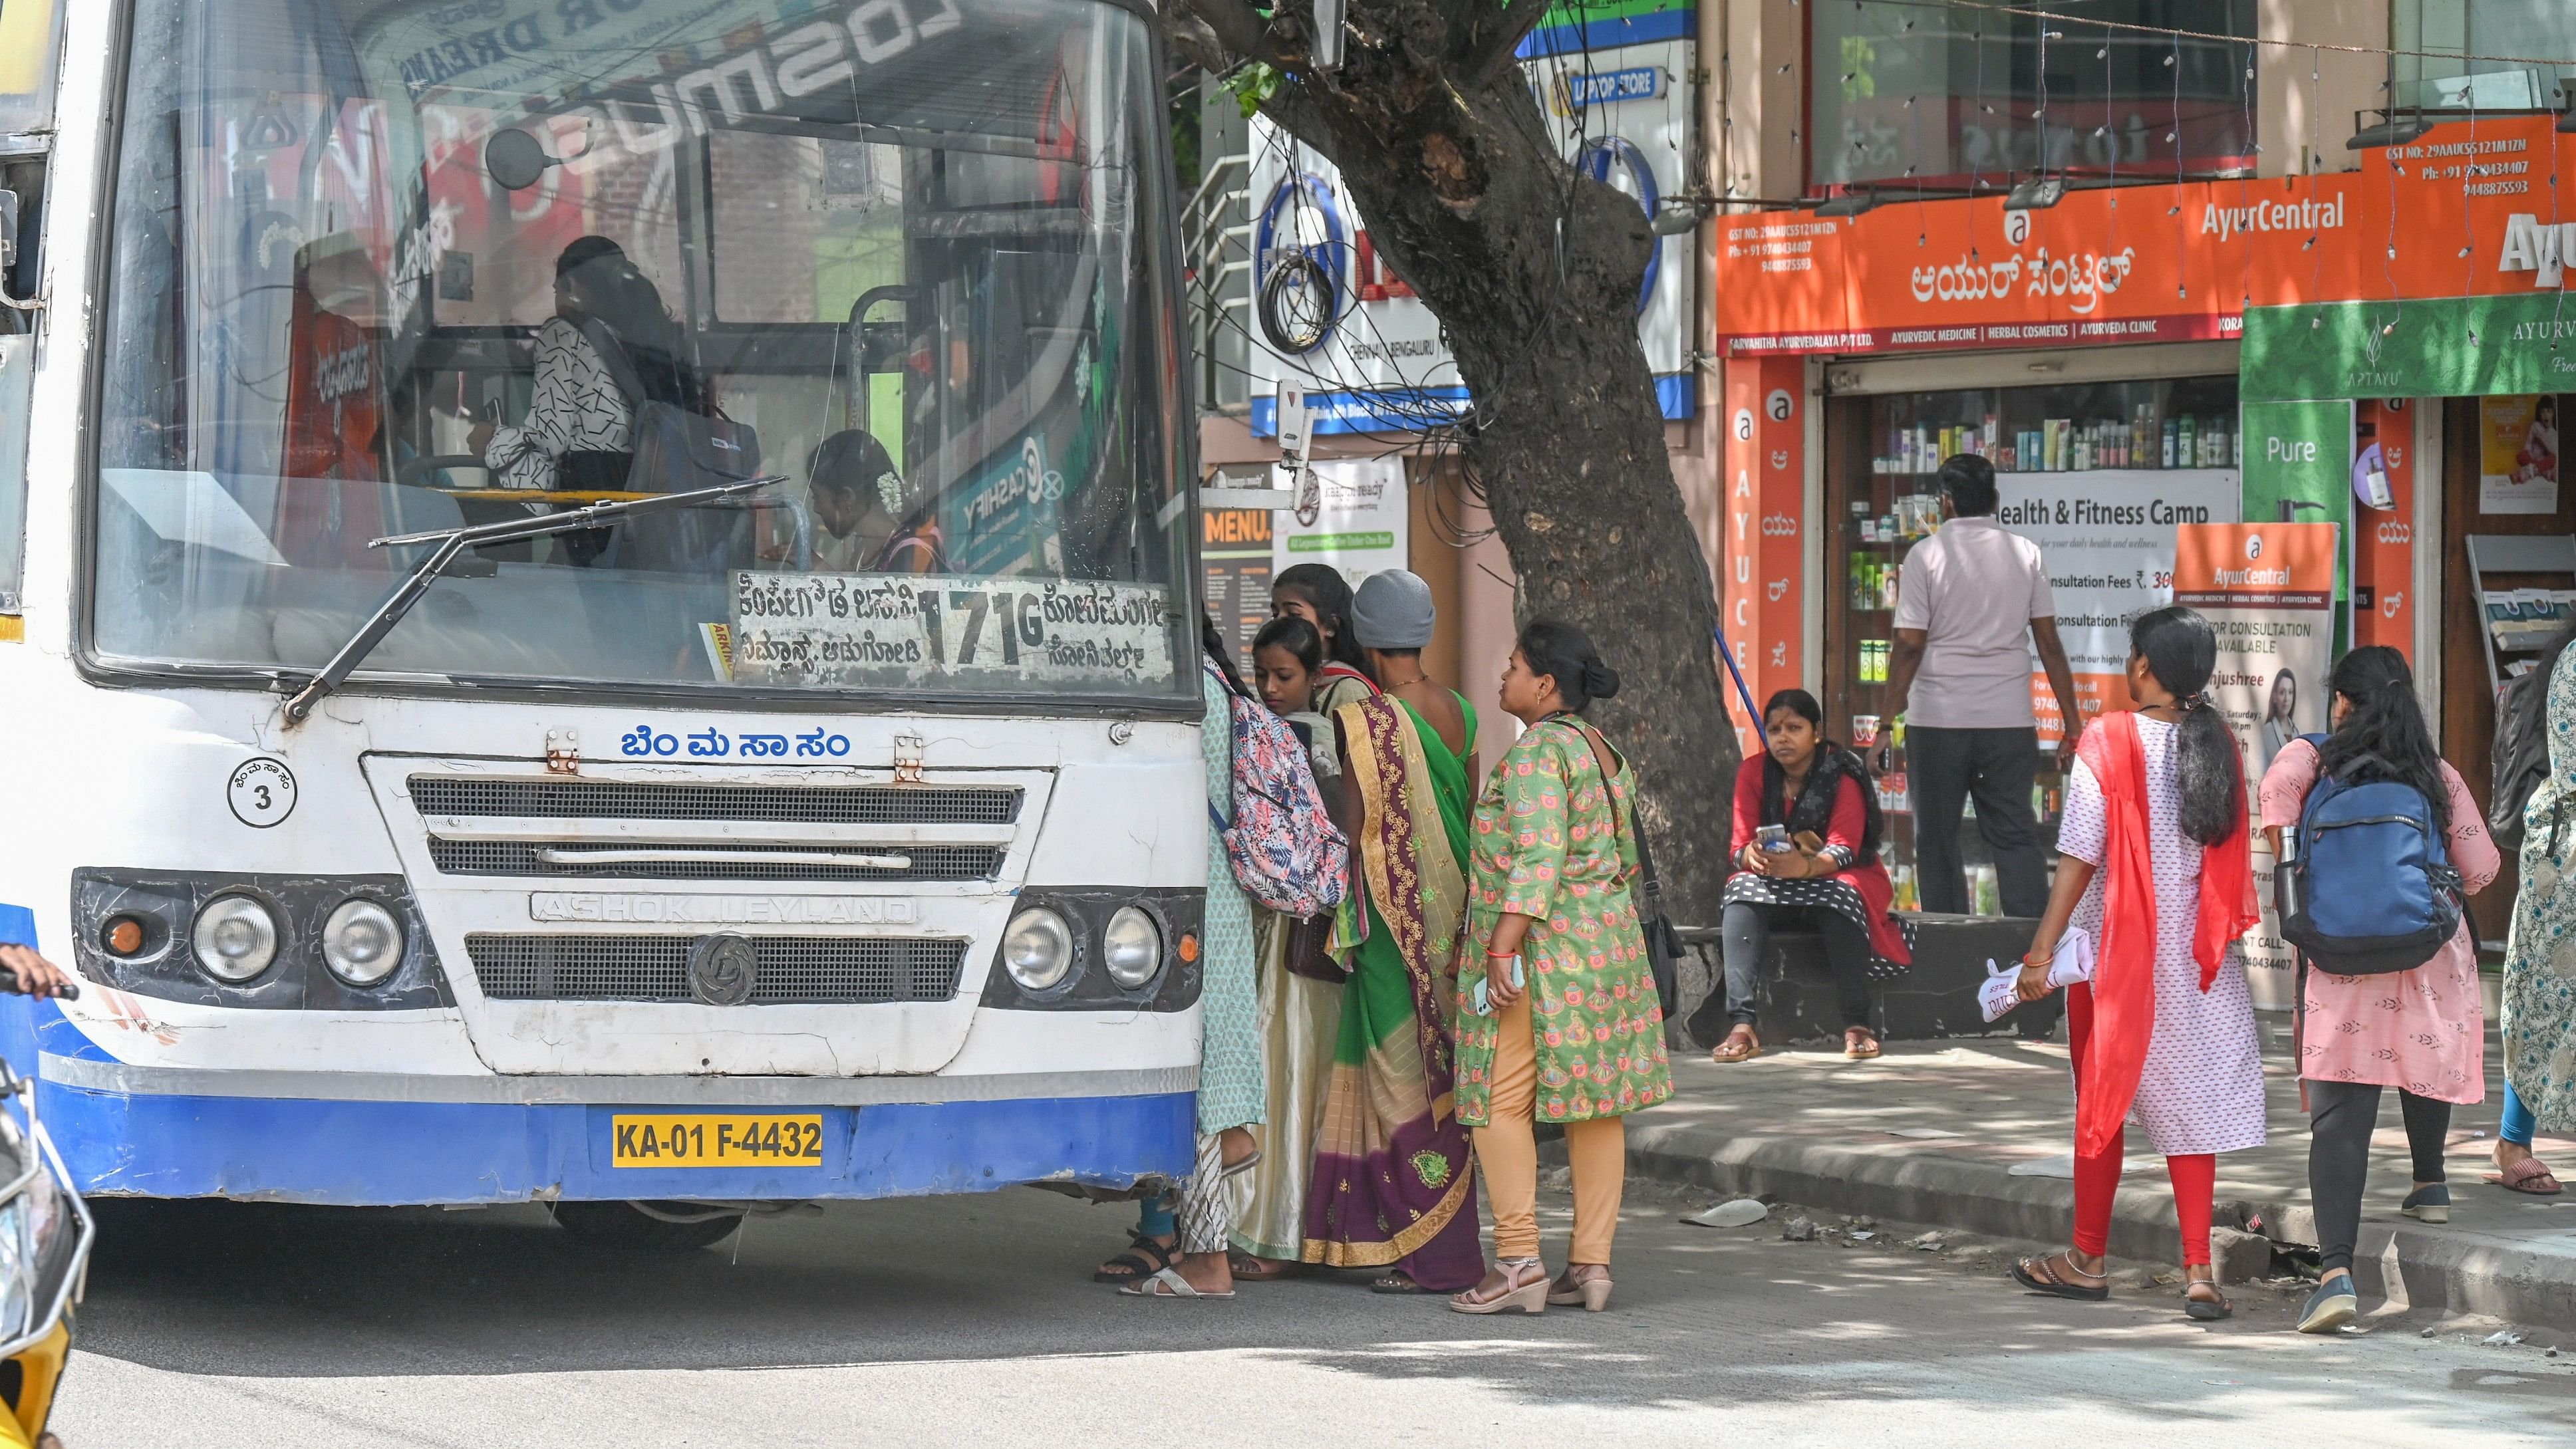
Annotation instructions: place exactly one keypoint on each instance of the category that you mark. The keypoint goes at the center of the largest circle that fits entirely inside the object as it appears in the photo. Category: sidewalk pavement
(1932, 1132)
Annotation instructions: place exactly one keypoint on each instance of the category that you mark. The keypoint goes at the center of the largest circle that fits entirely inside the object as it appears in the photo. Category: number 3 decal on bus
(261, 792)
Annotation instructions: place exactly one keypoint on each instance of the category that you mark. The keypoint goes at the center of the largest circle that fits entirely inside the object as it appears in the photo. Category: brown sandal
(1741, 1045)
(1860, 1044)
(2043, 1275)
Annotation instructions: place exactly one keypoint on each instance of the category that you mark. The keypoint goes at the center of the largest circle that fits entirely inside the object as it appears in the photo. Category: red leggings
(2097, 1179)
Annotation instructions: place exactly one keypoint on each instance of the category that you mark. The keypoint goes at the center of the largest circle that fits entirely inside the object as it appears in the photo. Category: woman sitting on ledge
(1807, 825)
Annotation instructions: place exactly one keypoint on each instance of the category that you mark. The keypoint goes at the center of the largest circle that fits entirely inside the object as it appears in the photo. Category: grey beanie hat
(1393, 610)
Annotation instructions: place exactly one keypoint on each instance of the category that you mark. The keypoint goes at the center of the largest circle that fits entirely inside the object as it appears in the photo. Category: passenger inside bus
(865, 518)
(578, 433)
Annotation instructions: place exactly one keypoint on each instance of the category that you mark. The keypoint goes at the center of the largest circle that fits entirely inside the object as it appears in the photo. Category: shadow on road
(1702, 1319)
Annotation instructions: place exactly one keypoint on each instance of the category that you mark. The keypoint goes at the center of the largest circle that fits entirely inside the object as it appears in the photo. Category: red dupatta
(2124, 972)
(1338, 670)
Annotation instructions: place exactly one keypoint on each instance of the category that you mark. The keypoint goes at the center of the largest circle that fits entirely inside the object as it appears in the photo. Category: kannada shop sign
(2142, 264)
(2456, 286)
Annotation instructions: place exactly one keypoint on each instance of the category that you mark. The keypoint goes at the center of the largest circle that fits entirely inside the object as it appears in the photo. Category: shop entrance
(2500, 480)
(2097, 473)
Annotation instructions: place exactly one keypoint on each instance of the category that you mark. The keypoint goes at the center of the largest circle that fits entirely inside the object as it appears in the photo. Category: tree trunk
(1466, 197)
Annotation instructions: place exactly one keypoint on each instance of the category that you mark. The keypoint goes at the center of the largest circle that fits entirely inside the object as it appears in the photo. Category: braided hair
(2181, 651)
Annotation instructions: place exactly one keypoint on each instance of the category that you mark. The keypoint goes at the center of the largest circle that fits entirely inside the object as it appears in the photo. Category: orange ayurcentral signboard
(2164, 263)
(2470, 212)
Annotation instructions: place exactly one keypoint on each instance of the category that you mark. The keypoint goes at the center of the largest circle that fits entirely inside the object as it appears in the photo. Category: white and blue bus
(836, 831)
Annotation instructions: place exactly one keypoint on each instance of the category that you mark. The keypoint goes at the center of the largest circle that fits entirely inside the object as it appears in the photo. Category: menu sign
(878, 629)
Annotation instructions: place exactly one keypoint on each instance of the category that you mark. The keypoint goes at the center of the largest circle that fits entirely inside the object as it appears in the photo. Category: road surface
(972, 1321)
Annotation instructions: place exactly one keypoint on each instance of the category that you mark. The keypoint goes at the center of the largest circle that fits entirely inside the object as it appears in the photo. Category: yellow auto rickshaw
(45, 1236)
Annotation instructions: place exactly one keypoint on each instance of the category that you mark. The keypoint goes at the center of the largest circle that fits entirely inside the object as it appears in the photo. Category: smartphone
(1485, 1007)
(1774, 839)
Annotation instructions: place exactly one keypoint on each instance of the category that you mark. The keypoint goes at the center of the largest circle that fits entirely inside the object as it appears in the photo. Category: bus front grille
(574, 799)
(793, 970)
(519, 857)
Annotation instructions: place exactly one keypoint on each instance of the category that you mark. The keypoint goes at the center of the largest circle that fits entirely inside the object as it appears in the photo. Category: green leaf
(1253, 84)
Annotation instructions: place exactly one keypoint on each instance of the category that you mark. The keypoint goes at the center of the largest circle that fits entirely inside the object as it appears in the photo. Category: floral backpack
(1284, 849)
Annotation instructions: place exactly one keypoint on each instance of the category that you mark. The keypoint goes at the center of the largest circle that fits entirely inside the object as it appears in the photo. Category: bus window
(30, 47)
(353, 276)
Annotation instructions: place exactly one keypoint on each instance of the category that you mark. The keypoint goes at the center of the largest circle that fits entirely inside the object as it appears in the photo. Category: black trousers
(1943, 768)
(2341, 1117)
(1747, 929)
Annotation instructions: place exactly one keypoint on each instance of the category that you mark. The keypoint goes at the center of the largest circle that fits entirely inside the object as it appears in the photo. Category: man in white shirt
(1972, 604)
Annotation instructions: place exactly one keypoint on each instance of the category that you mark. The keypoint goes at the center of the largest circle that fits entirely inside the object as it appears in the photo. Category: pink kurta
(2423, 1030)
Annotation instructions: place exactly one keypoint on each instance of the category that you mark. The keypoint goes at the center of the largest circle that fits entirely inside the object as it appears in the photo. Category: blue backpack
(2372, 889)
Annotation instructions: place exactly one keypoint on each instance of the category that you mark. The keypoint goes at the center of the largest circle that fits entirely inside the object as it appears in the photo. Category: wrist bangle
(1500, 955)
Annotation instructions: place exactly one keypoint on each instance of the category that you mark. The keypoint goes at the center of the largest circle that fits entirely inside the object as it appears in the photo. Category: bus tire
(647, 1225)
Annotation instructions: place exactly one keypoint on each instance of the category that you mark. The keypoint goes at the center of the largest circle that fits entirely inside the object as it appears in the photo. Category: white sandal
(1167, 1283)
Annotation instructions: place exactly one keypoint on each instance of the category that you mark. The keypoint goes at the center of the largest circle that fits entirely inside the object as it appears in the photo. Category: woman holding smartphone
(1567, 1027)
(1807, 827)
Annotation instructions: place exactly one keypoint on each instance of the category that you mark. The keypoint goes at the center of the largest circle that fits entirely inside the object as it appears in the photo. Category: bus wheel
(674, 1227)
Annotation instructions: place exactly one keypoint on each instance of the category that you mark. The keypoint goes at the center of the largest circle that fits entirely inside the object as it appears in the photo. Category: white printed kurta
(2202, 1087)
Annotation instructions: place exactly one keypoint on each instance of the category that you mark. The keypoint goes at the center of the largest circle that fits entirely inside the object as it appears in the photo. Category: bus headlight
(1037, 949)
(235, 938)
(1132, 947)
(362, 943)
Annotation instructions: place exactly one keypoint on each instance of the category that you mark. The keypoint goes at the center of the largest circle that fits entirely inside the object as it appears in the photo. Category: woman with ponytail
(2154, 861)
(2422, 1031)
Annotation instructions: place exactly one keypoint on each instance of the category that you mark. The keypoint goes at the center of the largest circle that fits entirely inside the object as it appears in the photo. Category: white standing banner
(1361, 524)
(2106, 537)
(2267, 590)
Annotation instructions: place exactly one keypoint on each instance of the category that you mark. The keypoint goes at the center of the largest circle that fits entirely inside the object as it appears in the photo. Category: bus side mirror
(8, 229)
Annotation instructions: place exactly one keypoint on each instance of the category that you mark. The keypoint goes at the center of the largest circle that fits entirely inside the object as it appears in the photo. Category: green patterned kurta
(1232, 1090)
(2540, 962)
(1547, 845)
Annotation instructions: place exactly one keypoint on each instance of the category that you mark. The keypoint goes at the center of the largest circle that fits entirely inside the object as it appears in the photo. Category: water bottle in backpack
(2372, 889)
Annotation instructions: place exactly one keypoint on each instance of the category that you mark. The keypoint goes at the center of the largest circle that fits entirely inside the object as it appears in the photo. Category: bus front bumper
(362, 1139)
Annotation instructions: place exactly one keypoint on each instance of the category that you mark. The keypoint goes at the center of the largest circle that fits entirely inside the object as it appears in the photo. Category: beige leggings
(1508, 1150)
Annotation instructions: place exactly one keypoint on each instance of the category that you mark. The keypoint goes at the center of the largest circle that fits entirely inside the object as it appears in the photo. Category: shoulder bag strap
(612, 356)
(1626, 820)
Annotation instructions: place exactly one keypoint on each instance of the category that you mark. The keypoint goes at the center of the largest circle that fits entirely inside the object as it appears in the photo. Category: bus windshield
(387, 267)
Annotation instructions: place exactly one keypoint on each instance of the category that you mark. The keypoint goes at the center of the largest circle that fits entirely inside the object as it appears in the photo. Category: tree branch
(1490, 55)
(1242, 30)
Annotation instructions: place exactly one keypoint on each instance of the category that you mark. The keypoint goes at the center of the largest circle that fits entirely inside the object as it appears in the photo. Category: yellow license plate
(701, 1140)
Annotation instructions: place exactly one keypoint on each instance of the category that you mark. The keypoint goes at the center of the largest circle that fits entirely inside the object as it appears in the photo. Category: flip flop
(2039, 1275)
(1144, 1259)
(1169, 1284)
(1396, 1283)
(2521, 1176)
(1741, 1045)
(1860, 1044)
(2202, 1310)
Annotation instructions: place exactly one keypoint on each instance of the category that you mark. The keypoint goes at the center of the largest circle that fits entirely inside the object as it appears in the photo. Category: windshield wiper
(453, 542)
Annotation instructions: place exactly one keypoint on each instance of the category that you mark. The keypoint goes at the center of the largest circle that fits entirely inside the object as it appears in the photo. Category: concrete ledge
(1795, 994)
(2441, 1270)
(1904, 1183)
